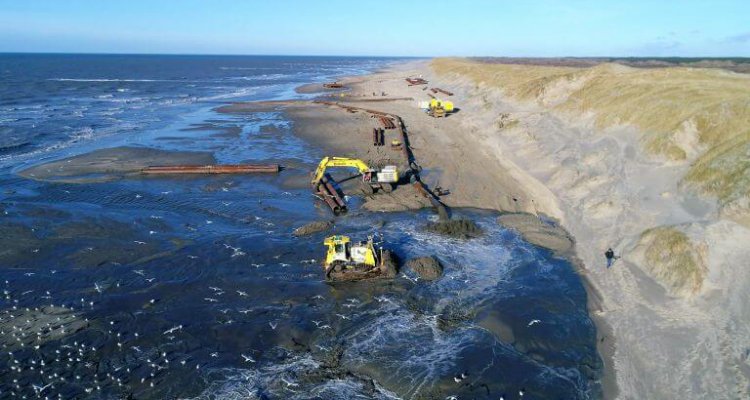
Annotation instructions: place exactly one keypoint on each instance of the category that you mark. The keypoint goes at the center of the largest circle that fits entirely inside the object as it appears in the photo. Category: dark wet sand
(111, 164)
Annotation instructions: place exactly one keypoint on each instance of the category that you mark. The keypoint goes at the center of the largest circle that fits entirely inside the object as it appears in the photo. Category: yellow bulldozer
(439, 108)
(373, 178)
(348, 261)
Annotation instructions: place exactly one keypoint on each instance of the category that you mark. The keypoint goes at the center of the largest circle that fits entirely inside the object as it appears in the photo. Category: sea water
(194, 287)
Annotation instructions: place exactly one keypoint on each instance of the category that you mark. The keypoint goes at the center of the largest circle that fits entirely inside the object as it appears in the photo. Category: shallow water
(193, 287)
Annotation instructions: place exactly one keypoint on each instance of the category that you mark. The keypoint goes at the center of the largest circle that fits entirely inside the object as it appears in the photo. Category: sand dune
(653, 162)
(690, 115)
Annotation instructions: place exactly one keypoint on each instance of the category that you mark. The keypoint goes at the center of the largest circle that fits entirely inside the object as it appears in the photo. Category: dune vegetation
(673, 259)
(692, 115)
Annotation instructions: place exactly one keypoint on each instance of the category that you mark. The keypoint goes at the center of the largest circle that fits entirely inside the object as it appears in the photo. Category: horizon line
(366, 56)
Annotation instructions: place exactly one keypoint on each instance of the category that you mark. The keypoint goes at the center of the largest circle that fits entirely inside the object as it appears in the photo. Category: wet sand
(111, 164)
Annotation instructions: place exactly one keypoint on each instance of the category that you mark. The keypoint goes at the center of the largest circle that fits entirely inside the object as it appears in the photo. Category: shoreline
(537, 220)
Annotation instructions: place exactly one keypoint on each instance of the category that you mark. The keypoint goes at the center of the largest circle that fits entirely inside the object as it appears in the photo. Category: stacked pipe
(378, 137)
(330, 195)
(445, 92)
(416, 81)
(387, 122)
(211, 169)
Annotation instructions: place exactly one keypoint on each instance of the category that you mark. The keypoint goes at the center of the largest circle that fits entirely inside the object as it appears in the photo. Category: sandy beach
(577, 187)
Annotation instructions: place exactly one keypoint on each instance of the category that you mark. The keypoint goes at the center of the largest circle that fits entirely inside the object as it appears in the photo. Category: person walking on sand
(610, 254)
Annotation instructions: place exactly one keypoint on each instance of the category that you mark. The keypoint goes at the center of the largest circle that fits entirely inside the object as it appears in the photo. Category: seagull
(460, 377)
(381, 299)
(40, 389)
(29, 274)
(139, 272)
(288, 383)
(149, 280)
(342, 316)
(192, 257)
(317, 296)
(172, 330)
(245, 311)
(534, 322)
(214, 354)
(97, 287)
(247, 358)
(138, 242)
(411, 279)
(209, 299)
(273, 325)
(326, 326)
(241, 293)
(317, 323)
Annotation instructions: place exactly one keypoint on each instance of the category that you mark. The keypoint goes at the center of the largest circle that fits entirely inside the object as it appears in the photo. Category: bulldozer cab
(338, 248)
(353, 261)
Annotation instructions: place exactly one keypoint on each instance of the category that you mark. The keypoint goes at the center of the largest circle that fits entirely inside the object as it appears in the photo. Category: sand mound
(312, 227)
(428, 268)
(111, 164)
(673, 259)
(457, 228)
(537, 232)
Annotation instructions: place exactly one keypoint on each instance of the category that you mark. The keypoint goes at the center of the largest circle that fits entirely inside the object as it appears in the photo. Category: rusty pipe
(210, 169)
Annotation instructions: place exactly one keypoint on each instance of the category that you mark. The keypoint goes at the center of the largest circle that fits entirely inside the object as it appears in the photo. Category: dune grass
(701, 116)
(674, 260)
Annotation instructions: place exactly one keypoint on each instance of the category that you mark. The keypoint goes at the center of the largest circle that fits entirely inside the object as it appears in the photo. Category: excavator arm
(328, 162)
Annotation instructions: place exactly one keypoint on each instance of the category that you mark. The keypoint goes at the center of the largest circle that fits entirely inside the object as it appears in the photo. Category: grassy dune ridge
(674, 259)
(695, 115)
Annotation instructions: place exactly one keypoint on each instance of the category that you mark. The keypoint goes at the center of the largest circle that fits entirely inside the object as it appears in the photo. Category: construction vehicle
(373, 178)
(439, 108)
(347, 261)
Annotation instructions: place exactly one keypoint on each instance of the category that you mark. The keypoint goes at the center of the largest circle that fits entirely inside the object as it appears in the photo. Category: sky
(520, 28)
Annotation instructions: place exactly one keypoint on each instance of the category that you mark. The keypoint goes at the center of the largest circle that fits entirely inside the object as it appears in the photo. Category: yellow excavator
(347, 261)
(373, 178)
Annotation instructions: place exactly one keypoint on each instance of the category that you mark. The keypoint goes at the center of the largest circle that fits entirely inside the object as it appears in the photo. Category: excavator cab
(373, 178)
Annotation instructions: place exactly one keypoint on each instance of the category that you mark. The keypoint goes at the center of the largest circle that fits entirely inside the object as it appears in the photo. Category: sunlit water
(193, 287)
